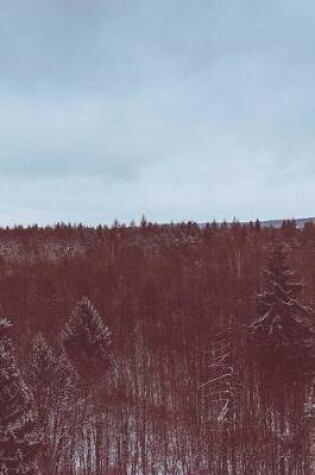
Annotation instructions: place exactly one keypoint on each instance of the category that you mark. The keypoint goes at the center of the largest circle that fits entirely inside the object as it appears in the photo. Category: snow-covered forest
(157, 349)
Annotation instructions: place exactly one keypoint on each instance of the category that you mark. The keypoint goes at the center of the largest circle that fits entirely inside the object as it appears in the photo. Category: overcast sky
(176, 109)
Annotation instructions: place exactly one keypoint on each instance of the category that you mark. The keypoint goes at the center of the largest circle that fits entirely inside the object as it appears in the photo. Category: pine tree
(86, 338)
(53, 382)
(41, 370)
(52, 376)
(282, 335)
(87, 341)
(19, 435)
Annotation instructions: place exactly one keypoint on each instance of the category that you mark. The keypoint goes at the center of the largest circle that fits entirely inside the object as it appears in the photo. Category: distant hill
(276, 223)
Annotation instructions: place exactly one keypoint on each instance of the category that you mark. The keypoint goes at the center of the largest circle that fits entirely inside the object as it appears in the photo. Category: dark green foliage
(86, 338)
(282, 335)
(53, 382)
(52, 376)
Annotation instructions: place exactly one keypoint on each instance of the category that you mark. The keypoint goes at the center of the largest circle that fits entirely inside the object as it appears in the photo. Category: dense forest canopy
(124, 335)
(199, 275)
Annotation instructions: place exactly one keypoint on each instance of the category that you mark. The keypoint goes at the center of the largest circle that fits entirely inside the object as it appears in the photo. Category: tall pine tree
(19, 435)
(53, 381)
(283, 334)
(86, 338)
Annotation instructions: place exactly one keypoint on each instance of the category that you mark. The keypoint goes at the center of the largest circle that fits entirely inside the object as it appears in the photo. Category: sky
(173, 109)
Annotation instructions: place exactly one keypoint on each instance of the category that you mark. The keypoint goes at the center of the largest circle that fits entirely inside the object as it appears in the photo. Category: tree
(19, 435)
(87, 341)
(53, 382)
(282, 340)
(282, 335)
(86, 338)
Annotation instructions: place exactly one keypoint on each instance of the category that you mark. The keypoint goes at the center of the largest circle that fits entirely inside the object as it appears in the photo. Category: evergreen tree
(41, 370)
(53, 382)
(282, 335)
(86, 338)
(52, 376)
(19, 437)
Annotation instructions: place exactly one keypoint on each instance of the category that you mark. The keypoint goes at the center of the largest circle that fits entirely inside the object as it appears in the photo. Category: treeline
(157, 349)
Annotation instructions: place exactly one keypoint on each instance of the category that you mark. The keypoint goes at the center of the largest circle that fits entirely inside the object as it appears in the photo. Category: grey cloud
(180, 110)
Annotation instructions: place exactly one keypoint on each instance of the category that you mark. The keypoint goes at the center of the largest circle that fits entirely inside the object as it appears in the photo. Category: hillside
(134, 340)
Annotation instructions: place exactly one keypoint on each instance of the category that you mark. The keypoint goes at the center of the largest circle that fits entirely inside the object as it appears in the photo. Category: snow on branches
(86, 338)
(19, 435)
(282, 336)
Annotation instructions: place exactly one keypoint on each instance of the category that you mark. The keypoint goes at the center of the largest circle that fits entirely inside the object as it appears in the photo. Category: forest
(156, 349)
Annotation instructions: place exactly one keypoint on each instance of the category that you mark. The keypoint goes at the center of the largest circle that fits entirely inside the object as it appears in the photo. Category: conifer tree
(52, 375)
(41, 369)
(282, 335)
(53, 382)
(87, 341)
(19, 435)
(86, 338)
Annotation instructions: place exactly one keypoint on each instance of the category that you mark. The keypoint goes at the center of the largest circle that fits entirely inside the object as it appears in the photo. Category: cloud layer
(179, 110)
